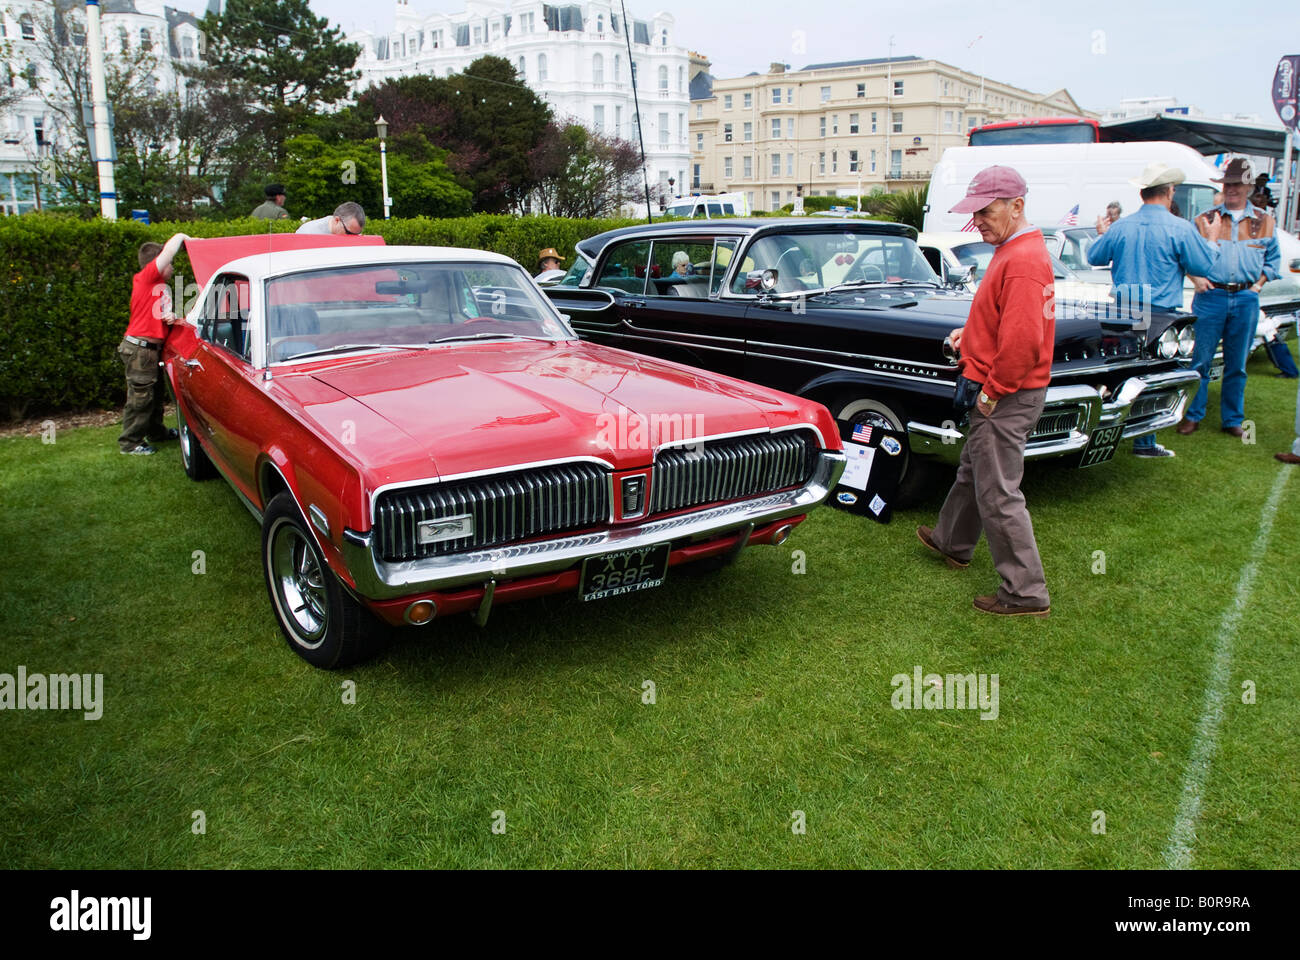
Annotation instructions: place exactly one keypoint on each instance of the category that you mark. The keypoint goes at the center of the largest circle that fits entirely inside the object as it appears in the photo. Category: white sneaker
(1153, 452)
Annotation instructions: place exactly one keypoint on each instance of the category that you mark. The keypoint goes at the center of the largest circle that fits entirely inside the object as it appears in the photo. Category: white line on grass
(1178, 853)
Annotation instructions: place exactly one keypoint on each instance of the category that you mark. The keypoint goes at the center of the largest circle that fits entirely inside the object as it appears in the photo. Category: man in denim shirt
(1148, 252)
(1227, 298)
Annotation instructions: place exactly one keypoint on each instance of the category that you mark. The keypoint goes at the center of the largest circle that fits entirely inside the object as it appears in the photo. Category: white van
(708, 206)
(1063, 176)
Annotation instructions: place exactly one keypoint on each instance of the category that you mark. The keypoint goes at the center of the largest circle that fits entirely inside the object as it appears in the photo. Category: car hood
(469, 408)
(209, 255)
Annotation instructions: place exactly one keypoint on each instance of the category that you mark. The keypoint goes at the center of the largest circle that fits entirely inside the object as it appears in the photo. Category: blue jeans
(1230, 317)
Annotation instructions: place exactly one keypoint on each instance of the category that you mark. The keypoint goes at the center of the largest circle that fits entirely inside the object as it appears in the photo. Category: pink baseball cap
(991, 183)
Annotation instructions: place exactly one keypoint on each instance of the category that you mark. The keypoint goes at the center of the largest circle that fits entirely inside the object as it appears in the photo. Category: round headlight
(1167, 345)
(1187, 340)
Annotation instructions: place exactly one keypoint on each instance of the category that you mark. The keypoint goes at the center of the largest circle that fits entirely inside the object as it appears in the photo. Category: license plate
(1102, 445)
(625, 571)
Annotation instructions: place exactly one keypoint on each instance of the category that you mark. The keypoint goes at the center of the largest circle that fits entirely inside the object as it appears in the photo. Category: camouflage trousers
(145, 392)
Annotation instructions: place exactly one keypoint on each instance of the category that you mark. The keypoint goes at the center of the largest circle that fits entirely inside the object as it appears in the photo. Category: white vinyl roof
(265, 265)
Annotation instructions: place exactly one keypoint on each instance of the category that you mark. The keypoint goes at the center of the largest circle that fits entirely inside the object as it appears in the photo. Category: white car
(961, 258)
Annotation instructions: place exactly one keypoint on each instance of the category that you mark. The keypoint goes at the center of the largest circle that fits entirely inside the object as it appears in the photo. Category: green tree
(289, 62)
(583, 174)
(319, 176)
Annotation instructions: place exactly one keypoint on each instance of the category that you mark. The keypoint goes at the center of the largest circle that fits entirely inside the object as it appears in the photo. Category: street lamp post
(381, 126)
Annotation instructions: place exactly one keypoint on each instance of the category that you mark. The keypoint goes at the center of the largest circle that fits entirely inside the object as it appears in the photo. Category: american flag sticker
(861, 433)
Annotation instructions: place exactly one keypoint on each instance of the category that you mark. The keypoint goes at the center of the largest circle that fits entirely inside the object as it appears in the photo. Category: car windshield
(576, 272)
(977, 255)
(403, 304)
(818, 260)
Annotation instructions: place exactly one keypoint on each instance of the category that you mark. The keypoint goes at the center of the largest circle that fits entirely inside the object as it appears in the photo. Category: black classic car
(850, 313)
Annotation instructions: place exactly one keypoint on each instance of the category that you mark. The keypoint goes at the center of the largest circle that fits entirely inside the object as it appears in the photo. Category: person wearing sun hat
(1227, 297)
(1005, 348)
(1148, 252)
(549, 260)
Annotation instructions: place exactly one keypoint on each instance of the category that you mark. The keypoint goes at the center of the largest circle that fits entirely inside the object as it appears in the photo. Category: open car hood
(207, 256)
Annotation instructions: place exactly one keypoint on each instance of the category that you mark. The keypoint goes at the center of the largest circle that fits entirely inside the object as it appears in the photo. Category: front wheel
(322, 622)
(916, 478)
(193, 459)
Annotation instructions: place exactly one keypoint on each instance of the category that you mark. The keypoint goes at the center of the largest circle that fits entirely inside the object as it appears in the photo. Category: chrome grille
(732, 468)
(1149, 405)
(506, 507)
(1056, 423)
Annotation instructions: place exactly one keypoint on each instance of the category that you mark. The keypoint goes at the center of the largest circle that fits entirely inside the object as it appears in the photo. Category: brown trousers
(986, 498)
(142, 419)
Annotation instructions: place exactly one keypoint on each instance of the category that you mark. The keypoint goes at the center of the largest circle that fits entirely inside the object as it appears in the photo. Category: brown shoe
(1234, 431)
(1290, 458)
(926, 536)
(994, 605)
(1186, 426)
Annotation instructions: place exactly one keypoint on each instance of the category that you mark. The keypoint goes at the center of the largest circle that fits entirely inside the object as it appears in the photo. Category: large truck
(1068, 181)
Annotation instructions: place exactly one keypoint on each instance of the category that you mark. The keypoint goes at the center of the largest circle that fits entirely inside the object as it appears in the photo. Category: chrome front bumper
(378, 580)
(947, 441)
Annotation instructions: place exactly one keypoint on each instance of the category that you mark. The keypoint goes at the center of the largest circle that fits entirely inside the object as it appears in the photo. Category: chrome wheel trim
(185, 437)
(298, 584)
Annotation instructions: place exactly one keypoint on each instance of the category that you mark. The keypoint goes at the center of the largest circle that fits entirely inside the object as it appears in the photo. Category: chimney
(776, 68)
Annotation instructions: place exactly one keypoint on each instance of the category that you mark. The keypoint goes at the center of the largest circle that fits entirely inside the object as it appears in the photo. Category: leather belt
(142, 342)
(1233, 287)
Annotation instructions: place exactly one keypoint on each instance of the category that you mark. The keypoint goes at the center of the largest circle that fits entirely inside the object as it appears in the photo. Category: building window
(478, 35)
(618, 68)
(853, 123)
(749, 101)
(699, 143)
(898, 88)
(789, 164)
(726, 101)
(726, 133)
(776, 164)
(598, 118)
(789, 95)
(873, 121)
(821, 162)
(598, 70)
(695, 176)
(873, 161)
(663, 38)
(146, 41)
(27, 27)
(862, 90)
(681, 131)
(727, 168)
(187, 47)
(789, 128)
(947, 121)
(541, 68)
(776, 94)
(898, 122)
(748, 163)
(776, 128)
(826, 94)
(749, 131)
(835, 161)
(523, 72)
(895, 163)
(835, 124)
(776, 199)
(38, 130)
(435, 38)
(681, 79)
(618, 121)
(853, 161)
(821, 126)
(663, 129)
(663, 79)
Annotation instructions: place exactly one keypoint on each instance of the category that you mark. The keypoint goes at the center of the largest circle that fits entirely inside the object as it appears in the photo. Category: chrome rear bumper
(947, 441)
(377, 580)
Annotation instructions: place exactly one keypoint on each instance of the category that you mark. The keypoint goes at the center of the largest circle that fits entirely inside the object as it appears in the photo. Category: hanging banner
(1285, 81)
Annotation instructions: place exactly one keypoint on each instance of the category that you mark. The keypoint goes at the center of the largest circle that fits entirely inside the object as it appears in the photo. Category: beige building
(838, 129)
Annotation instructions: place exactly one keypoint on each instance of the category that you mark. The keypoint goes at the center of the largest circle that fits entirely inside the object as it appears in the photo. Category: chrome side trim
(378, 580)
(840, 366)
(856, 356)
(318, 519)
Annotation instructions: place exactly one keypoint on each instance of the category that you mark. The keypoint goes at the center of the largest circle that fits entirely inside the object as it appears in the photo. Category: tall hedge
(66, 290)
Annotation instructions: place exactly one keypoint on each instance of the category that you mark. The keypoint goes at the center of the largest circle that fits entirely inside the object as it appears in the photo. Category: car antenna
(636, 106)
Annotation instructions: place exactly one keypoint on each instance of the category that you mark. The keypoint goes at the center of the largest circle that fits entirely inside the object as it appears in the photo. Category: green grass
(773, 690)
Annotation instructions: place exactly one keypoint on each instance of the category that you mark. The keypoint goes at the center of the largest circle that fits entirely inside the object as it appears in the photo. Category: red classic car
(420, 433)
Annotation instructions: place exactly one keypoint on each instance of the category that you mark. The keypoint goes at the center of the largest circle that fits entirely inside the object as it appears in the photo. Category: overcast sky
(1099, 50)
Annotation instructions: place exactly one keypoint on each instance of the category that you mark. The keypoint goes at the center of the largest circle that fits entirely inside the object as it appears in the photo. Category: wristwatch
(987, 401)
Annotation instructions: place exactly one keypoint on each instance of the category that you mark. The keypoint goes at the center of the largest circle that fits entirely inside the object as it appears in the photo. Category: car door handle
(634, 303)
(193, 365)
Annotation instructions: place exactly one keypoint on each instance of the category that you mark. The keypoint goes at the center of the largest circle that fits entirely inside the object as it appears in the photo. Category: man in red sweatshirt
(1006, 347)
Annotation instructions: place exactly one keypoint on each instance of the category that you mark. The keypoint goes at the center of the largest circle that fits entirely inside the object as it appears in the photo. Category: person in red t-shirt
(1006, 347)
(141, 348)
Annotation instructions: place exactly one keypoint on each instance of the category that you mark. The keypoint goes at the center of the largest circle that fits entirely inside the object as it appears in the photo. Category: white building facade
(574, 56)
(30, 130)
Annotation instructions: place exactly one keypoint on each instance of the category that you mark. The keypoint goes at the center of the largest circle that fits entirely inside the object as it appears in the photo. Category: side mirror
(764, 280)
(960, 276)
